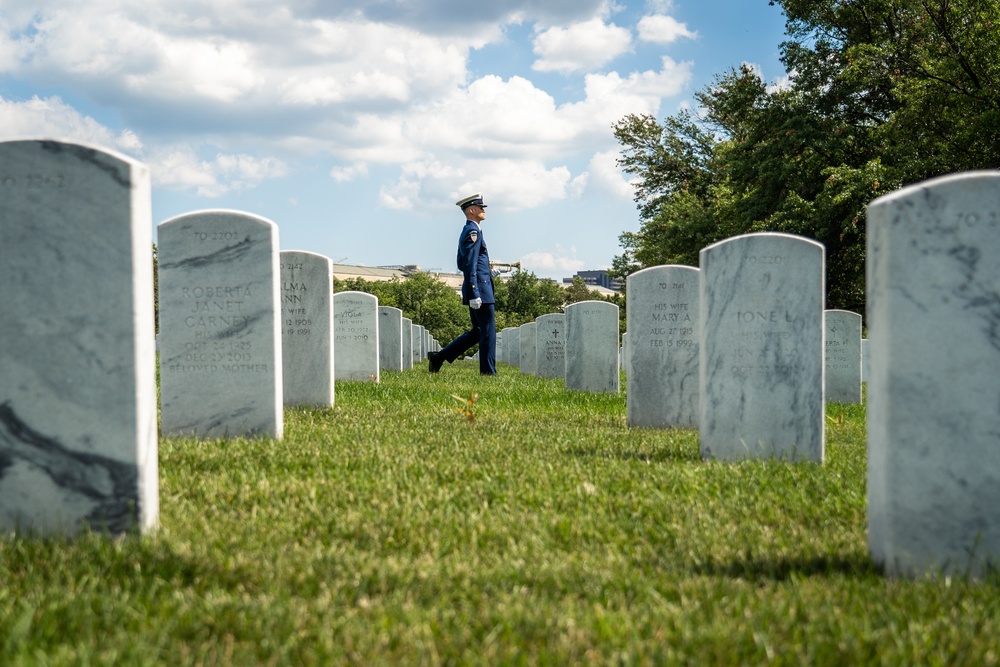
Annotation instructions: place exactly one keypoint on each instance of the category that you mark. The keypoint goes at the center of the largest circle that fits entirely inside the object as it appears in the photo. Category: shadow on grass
(202, 571)
(783, 569)
(658, 455)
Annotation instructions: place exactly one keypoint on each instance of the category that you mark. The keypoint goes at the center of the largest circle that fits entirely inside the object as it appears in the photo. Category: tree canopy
(882, 93)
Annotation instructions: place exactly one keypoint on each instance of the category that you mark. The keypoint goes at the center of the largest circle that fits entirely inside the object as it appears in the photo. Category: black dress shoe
(434, 361)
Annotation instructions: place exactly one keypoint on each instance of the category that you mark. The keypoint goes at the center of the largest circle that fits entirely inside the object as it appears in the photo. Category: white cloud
(222, 72)
(660, 6)
(782, 83)
(232, 53)
(52, 118)
(515, 120)
(755, 68)
(662, 29)
(242, 172)
(610, 96)
(512, 184)
(172, 166)
(491, 117)
(522, 184)
(561, 262)
(605, 174)
(218, 96)
(400, 196)
(578, 185)
(181, 168)
(580, 47)
(349, 173)
(512, 140)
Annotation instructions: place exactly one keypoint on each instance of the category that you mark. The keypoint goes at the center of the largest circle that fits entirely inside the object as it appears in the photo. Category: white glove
(495, 272)
(474, 304)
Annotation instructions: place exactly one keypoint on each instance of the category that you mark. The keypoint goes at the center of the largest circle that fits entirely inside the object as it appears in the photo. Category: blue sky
(355, 124)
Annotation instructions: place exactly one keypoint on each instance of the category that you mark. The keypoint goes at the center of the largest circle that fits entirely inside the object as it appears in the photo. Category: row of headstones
(838, 358)
(578, 345)
(78, 436)
(763, 351)
(246, 330)
(783, 354)
(772, 349)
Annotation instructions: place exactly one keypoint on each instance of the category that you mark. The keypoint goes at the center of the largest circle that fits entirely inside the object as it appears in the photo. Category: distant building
(598, 279)
(369, 273)
(398, 272)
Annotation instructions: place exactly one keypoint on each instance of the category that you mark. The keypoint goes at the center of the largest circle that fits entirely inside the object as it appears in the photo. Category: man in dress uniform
(477, 292)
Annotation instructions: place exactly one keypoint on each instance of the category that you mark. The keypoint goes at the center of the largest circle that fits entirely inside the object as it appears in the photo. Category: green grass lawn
(391, 529)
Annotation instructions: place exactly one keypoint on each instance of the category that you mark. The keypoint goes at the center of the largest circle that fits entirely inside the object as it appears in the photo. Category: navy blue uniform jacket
(474, 263)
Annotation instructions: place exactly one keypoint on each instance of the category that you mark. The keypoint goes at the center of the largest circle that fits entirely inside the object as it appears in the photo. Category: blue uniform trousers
(484, 332)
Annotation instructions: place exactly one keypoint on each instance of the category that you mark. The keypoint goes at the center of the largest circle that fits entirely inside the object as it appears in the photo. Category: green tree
(422, 298)
(883, 93)
(578, 291)
(523, 297)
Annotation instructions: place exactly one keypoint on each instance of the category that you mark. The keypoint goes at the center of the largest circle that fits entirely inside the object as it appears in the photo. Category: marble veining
(93, 157)
(109, 484)
(390, 338)
(528, 348)
(356, 337)
(842, 356)
(229, 253)
(662, 352)
(592, 345)
(221, 372)
(551, 345)
(78, 445)
(761, 348)
(933, 299)
(307, 328)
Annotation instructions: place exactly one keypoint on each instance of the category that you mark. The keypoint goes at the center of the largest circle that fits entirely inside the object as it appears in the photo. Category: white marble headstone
(415, 344)
(624, 352)
(406, 337)
(78, 442)
(933, 315)
(220, 336)
(508, 341)
(306, 328)
(761, 348)
(843, 356)
(662, 351)
(390, 338)
(550, 336)
(355, 328)
(499, 347)
(865, 361)
(592, 346)
(513, 346)
(528, 344)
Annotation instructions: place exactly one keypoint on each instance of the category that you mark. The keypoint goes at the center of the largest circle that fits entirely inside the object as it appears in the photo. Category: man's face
(477, 213)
